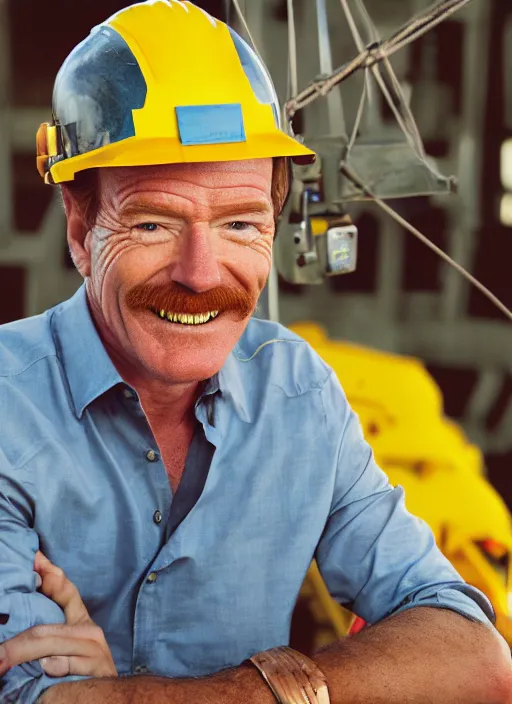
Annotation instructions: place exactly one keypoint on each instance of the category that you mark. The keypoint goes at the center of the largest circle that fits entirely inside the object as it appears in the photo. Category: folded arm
(422, 655)
(22, 606)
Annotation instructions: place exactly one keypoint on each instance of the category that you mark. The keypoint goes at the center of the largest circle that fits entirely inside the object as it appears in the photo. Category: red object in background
(357, 626)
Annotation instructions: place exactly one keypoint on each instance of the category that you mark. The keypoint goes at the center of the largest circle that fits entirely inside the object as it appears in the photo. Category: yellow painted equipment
(443, 474)
(161, 82)
(472, 527)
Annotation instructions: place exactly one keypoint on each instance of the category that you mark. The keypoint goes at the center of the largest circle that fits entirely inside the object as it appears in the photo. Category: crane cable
(351, 175)
(377, 51)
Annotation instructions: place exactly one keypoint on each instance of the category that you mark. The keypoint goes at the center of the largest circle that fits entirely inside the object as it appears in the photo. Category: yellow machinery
(401, 411)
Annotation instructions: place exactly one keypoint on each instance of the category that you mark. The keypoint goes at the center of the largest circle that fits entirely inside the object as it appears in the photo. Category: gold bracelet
(292, 677)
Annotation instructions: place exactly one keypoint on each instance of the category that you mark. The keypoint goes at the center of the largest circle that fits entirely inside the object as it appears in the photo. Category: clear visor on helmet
(96, 90)
(257, 74)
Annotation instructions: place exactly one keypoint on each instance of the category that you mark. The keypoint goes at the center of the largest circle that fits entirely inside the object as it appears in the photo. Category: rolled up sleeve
(20, 604)
(375, 557)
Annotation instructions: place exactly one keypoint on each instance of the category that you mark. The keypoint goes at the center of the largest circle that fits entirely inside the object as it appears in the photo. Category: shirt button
(151, 456)
(141, 670)
(152, 577)
(157, 517)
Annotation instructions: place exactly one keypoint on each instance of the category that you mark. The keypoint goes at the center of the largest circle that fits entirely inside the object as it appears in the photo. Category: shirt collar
(89, 369)
(91, 372)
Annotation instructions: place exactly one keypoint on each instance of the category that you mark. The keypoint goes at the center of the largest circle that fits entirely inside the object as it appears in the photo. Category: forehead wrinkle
(154, 183)
(141, 203)
(261, 169)
(171, 204)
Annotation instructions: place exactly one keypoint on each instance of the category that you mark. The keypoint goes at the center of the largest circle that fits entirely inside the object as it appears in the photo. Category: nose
(197, 267)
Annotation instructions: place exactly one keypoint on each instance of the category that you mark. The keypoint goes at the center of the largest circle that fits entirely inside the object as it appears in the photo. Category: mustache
(177, 299)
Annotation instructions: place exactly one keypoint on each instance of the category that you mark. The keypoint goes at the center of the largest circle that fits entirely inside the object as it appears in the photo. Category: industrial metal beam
(465, 212)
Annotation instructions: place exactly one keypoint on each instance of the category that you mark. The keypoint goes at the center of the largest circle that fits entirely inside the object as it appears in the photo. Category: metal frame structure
(432, 326)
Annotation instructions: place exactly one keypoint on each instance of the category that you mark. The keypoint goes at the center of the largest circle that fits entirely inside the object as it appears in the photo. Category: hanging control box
(341, 250)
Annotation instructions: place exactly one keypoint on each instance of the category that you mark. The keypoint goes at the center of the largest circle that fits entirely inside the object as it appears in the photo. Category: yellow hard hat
(161, 82)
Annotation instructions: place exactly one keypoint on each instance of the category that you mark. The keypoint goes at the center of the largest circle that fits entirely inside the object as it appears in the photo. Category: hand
(77, 647)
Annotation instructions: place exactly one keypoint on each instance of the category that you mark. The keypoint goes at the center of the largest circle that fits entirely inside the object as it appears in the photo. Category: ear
(78, 234)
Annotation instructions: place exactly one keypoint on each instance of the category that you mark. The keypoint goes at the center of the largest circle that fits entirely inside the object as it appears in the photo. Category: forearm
(229, 687)
(421, 656)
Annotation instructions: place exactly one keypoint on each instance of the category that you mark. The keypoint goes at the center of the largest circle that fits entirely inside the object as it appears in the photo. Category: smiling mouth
(184, 318)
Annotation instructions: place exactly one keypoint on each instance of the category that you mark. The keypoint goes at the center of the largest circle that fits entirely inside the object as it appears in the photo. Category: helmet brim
(153, 151)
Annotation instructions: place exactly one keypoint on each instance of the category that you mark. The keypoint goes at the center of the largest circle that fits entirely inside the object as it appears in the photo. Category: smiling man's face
(176, 261)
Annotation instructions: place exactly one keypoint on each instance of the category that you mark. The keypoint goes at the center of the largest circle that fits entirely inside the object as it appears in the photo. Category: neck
(172, 404)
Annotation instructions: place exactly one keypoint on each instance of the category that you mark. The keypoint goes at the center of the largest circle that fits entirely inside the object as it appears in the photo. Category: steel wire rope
(352, 176)
(376, 52)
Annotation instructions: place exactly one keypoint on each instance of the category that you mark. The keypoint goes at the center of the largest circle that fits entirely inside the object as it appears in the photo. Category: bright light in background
(506, 182)
(506, 210)
(506, 165)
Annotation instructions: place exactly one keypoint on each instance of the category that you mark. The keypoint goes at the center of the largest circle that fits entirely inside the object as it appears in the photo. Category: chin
(182, 354)
(187, 367)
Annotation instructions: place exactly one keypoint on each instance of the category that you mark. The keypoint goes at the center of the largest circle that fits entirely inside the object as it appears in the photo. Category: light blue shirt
(291, 478)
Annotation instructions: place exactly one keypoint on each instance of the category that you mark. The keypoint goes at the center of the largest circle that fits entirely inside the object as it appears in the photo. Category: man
(180, 461)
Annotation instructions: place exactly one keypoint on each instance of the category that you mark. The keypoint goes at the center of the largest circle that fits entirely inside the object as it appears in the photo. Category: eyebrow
(245, 208)
(256, 207)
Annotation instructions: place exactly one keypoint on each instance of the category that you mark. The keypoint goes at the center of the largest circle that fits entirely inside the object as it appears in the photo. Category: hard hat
(161, 82)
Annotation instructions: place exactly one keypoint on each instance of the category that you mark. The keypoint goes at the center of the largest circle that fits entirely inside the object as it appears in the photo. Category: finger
(23, 648)
(57, 587)
(59, 666)
(40, 561)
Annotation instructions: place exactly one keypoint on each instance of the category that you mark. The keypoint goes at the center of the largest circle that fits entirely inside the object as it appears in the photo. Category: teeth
(186, 319)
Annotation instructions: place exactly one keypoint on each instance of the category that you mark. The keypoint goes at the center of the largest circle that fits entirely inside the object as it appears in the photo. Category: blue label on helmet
(210, 124)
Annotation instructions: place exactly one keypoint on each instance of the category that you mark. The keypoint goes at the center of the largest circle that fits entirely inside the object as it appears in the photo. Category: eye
(147, 226)
(239, 225)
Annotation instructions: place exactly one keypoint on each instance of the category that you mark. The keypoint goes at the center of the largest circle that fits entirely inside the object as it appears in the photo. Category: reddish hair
(84, 190)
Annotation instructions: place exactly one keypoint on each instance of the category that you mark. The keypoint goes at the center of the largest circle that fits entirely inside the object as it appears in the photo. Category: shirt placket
(149, 598)
(152, 464)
